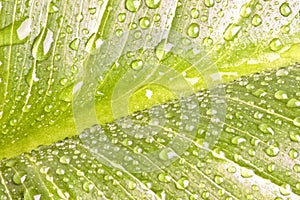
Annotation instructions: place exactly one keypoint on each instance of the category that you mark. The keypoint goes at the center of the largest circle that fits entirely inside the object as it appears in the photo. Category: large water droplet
(245, 11)
(193, 30)
(42, 44)
(144, 22)
(152, 3)
(209, 3)
(133, 5)
(74, 44)
(296, 121)
(272, 150)
(231, 31)
(285, 9)
(167, 154)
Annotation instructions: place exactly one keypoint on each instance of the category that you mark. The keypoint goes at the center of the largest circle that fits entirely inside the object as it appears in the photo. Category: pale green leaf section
(255, 157)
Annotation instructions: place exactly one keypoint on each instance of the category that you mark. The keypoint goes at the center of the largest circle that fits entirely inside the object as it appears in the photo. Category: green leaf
(47, 48)
(255, 156)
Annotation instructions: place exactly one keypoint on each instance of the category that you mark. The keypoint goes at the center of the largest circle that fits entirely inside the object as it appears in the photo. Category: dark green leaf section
(255, 156)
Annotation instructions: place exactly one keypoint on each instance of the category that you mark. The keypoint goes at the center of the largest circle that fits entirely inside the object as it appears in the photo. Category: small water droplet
(164, 178)
(65, 160)
(121, 17)
(245, 11)
(87, 186)
(131, 185)
(133, 5)
(53, 8)
(167, 154)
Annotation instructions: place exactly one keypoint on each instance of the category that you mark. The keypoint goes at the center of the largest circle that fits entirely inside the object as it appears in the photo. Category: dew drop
(272, 151)
(195, 13)
(285, 9)
(133, 5)
(231, 31)
(293, 103)
(209, 3)
(245, 11)
(296, 121)
(167, 154)
(74, 44)
(87, 186)
(280, 95)
(193, 30)
(144, 22)
(275, 44)
(65, 160)
(164, 178)
(256, 20)
(182, 183)
(153, 4)
(137, 64)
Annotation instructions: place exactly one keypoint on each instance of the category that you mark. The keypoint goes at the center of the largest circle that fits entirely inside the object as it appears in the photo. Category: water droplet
(42, 44)
(275, 44)
(280, 95)
(79, 17)
(293, 153)
(156, 17)
(152, 3)
(164, 178)
(285, 189)
(121, 17)
(285, 29)
(285, 9)
(295, 137)
(74, 44)
(246, 173)
(296, 121)
(271, 167)
(293, 103)
(131, 185)
(92, 11)
(65, 160)
(13, 122)
(272, 150)
(53, 8)
(238, 140)
(19, 178)
(167, 154)
(137, 64)
(296, 168)
(256, 20)
(245, 11)
(87, 186)
(193, 30)
(60, 171)
(209, 3)
(48, 108)
(231, 169)
(231, 31)
(133, 5)
(195, 13)
(182, 183)
(24, 29)
(219, 179)
(265, 128)
(144, 22)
